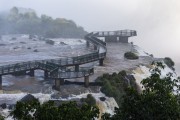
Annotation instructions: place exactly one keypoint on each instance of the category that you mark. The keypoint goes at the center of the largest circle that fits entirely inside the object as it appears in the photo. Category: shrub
(169, 62)
(130, 55)
(90, 100)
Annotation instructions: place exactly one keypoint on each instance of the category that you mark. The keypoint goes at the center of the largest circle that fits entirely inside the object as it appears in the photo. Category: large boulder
(28, 98)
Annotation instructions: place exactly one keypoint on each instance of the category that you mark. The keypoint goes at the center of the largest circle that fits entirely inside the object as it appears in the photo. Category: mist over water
(157, 21)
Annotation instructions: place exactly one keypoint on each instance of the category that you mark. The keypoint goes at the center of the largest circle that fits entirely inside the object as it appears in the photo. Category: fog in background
(157, 21)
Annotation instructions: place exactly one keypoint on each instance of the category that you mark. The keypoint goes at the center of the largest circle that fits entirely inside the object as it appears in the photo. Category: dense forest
(18, 21)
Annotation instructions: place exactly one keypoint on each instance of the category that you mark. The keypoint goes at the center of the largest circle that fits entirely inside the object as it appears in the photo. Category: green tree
(158, 101)
(17, 22)
(33, 110)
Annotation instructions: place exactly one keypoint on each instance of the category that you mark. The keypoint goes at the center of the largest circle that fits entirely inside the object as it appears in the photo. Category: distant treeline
(17, 22)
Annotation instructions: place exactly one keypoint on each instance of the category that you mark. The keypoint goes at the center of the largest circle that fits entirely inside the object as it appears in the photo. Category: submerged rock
(62, 43)
(3, 106)
(102, 98)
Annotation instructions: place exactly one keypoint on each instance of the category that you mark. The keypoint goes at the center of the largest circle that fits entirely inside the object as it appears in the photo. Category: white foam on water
(143, 72)
(106, 106)
(58, 41)
(140, 51)
(6, 83)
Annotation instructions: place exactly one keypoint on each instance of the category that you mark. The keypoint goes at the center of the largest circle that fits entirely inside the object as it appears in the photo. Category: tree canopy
(17, 22)
(33, 110)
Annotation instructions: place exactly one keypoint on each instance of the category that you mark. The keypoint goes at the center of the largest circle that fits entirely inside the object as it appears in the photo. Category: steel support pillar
(86, 81)
(110, 39)
(31, 73)
(87, 44)
(77, 68)
(95, 47)
(46, 75)
(57, 84)
(123, 39)
(101, 62)
(0, 82)
(62, 81)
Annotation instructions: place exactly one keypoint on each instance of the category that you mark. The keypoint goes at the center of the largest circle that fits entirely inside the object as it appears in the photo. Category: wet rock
(23, 42)
(62, 43)
(35, 50)
(13, 38)
(3, 106)
(28, 98)
(2, 45)
(16, 47)
(10, 107)
(102, 99)
(80, 41)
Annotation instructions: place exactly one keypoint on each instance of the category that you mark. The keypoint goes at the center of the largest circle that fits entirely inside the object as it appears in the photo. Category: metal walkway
(53, 67)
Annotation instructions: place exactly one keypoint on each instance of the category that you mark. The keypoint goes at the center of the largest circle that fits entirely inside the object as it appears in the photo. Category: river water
(22, 49)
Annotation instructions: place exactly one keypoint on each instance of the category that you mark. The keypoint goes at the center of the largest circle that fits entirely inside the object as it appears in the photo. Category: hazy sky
(157, 21)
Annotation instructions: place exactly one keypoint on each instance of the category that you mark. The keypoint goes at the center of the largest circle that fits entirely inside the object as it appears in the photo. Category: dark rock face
(3, 106)
(28, 98)
(102, 98)
(11, 107)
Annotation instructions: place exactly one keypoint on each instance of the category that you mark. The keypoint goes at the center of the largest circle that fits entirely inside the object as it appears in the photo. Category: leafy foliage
(1, 117)
(32, 110)
(17, 22)
(130, 55)
(90, 100)
(114, 85)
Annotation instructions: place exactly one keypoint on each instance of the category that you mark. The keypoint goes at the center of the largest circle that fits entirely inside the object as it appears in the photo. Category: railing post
(86, 81)
(95, 47)
(62, 81)
(57, 84)
(31, 73)
(87, 43)
(101, 62)
(77, 68)
(46, 75)
(0, 82)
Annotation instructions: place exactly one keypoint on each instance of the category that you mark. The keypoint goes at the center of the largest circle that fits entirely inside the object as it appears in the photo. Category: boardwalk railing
(54, 65)
(123, 33)
(72, 74)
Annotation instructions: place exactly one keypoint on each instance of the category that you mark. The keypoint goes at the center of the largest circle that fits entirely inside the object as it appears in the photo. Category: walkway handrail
(54, 65)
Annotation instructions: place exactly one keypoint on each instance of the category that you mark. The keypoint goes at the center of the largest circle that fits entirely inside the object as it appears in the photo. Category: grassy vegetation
(115, 85)
(130, 55)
